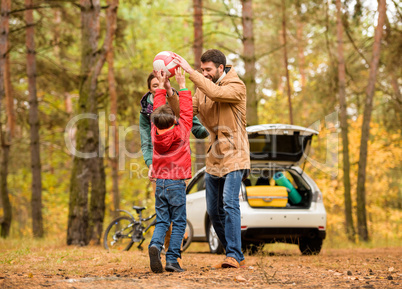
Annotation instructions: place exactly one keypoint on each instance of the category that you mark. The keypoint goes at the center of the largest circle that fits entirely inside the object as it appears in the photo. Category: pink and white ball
(164, 60)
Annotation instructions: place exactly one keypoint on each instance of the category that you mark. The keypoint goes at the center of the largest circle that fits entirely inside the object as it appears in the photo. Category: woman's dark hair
(214, 55)
(150, 77)
(163, 117)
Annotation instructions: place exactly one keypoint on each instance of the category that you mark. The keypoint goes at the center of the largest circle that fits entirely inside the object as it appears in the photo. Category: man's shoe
(173, 267)
(155, 259)
(217, 266)
(243, 264)
(230, 262)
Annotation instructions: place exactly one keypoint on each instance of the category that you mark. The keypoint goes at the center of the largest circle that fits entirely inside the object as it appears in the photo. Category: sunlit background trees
(323, 64)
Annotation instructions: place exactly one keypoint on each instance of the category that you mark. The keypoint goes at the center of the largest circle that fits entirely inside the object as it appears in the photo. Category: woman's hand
(162, 78)
(183, 63)
(180, 78)
(167, 85)
(150, 174)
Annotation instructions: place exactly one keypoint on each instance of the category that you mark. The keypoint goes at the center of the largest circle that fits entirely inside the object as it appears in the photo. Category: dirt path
(93, 267)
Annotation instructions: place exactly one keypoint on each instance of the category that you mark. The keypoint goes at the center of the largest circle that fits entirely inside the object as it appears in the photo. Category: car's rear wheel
(215, 246)
(310, 246)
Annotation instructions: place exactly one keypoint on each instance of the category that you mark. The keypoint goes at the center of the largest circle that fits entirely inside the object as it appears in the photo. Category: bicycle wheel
(118, 235)
(188, 236)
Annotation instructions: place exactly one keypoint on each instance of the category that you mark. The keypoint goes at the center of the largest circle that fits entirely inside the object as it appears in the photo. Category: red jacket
(172, 157)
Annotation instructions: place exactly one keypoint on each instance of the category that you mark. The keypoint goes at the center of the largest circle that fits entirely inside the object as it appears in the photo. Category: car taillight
(319, 197)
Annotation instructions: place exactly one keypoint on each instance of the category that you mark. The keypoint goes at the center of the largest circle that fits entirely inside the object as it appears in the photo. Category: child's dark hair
(214, 55)
(163, 117)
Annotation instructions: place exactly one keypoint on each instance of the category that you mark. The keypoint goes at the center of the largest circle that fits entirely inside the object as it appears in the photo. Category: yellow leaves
(383, 184)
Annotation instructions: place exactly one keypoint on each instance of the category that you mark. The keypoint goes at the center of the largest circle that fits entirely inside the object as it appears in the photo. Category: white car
(267, 217)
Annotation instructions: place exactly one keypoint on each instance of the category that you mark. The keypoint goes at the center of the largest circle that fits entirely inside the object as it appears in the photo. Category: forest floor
(59, 266)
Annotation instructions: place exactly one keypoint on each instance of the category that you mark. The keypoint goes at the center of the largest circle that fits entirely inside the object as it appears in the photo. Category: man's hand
(183, 63)
(151, 173)
(180, 78)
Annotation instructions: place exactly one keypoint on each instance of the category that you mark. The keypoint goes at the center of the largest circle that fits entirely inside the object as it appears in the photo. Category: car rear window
(277, 147)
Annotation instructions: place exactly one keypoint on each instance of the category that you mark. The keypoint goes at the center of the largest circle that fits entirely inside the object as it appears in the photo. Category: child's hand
(180, 78)
(162, 78)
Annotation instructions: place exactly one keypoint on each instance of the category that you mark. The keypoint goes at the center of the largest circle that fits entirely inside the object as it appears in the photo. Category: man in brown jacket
(220, 104)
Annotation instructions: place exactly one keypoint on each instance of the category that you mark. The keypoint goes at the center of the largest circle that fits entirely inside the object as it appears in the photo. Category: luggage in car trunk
(267, 196)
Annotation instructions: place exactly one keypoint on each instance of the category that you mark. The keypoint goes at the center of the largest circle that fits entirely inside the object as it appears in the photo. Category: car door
(196, 204)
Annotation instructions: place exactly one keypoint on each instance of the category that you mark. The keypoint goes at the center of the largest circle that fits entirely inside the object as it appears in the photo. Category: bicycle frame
(151, 224)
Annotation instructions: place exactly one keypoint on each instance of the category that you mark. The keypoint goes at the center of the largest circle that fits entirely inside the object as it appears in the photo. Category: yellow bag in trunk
(267, 196)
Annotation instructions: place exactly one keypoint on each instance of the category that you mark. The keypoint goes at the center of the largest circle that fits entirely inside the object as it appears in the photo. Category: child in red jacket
(171, 166)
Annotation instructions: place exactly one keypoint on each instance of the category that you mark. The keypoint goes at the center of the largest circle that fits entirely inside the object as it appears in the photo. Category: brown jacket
(222, 110)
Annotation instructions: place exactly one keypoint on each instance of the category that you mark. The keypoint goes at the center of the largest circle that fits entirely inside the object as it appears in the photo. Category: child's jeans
(170, 206)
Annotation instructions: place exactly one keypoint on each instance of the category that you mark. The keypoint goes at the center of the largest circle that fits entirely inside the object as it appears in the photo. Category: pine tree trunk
(36, 199)
(361, 177)
(7, 209)
(197, 48)
(392, 65)
(300, 46)
(285, 55)
(350, 230)
(9, 98)
(5, 222)
(114, 156)
(88, 175)
(249, 62)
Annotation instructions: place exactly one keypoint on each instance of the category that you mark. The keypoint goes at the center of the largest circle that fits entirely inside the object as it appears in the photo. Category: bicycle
(124, 231)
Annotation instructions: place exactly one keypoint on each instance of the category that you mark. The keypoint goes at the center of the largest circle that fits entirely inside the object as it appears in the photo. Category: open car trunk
(261, 180)
(279, 144)
(274, 149)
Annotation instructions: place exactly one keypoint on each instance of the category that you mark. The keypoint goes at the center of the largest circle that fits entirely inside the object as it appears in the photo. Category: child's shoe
(155, 259)
(173, 267)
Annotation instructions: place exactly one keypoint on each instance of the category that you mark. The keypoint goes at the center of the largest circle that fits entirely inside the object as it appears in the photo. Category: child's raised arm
(186, 103)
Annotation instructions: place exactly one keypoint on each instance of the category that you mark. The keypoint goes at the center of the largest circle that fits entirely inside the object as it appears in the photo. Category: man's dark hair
(163, 117)
(214, 55)
(150, 77)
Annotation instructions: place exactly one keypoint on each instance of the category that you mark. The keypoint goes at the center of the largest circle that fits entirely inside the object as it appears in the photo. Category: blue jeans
(170, 206)
(224, 210)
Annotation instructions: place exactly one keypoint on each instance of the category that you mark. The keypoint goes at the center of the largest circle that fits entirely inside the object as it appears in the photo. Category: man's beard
(215, 78)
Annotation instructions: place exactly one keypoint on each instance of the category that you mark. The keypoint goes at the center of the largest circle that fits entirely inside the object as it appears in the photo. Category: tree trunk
(111, 23)
(36, 199)
(285, 55)
(302, 62)
(7, 84)
(249, 62)
(368, 107)
(88, 174)
(9, 98)
(5, 221)
(350, 230)
(7, 209)
(197, 48)
(392, 66)
(300, 46)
